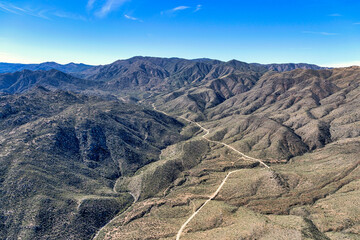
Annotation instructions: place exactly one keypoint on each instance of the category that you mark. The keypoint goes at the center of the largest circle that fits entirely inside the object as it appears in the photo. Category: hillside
(278, 115)
(61, 154)
(307, 119)
(19, 82)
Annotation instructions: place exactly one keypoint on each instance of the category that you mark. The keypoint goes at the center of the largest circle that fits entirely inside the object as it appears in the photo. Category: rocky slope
(275, 115)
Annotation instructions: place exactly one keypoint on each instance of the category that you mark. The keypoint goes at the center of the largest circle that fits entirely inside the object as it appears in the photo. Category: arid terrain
(168, 148)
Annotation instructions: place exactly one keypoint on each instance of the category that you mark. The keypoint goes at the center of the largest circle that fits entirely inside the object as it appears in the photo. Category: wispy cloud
(198, 8)
(40, 13)
(335, 15)
(8, 8)
(69, 15)
(90, 4)
(174, 10)
(320, 33)
(11, 8)
(16, 8)
(357, 23)
(132, 18)
(109, 6)
(180, 8)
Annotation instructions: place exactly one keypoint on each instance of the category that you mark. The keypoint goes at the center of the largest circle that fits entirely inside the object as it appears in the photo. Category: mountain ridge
(24, 80)
(67, 68)
(81, 67)
(148, 73)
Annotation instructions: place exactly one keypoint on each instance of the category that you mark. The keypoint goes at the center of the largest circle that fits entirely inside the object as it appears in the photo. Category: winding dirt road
(207, 132)
(246, 157)
(224, 144)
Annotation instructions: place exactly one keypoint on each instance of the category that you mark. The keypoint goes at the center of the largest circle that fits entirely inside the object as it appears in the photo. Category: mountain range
(80, 67)
(131, 149)
(145, 72)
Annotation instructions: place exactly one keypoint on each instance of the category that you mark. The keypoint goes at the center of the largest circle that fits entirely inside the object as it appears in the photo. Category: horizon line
(330, 65)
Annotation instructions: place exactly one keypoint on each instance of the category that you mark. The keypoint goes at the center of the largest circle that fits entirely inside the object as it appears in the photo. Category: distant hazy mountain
(285, 67)
(22, 81)
(67, 68)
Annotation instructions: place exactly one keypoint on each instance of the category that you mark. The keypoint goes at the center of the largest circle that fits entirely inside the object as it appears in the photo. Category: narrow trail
(203, 205)
(246, 157)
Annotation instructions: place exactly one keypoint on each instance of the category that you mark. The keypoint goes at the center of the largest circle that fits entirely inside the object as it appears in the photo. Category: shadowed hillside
(61, 154)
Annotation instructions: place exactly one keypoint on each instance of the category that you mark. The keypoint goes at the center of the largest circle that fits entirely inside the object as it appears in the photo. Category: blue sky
(102, 31)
